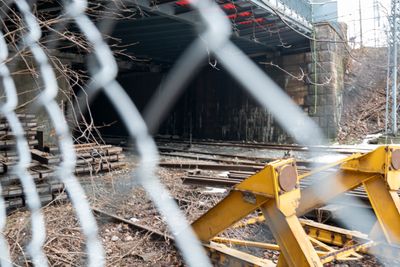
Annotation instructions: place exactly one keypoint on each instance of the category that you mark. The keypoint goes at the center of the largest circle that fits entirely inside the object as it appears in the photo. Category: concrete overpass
(277, 34)
(259, 27)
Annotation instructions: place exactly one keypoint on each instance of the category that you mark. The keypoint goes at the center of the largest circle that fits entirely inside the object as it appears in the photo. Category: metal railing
(291, 7)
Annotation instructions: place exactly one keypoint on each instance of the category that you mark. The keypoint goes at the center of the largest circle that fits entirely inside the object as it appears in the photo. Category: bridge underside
(214, 105)
(162, 29)
(274, 33)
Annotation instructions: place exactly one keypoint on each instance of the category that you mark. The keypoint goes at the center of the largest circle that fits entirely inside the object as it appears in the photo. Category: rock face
(364, 94)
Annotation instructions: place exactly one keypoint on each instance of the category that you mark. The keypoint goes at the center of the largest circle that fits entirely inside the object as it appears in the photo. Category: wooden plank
(46, 199)
(8, 153)
(94, 160)
(14, 203)
(21, 117)
(6, 144)
(6, 180)
(83, 169)
(112, 165)
(44, 157)
(92, 148)
(114, 150)
(10, 158)
(28, 124)
(43, 188)
(43, 171)
(99, 167)
(55, 186)
(89, 150)
(50, 149)
(210, 166)
(9, 164)
(12, 191)
(61, 196)
(84, 145)
(9, 135)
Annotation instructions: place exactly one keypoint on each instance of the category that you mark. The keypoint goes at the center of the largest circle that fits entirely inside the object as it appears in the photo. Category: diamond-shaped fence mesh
(213, 39)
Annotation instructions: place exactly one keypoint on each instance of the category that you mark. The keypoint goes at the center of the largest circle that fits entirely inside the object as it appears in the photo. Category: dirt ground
(65, 245)
(124, 246)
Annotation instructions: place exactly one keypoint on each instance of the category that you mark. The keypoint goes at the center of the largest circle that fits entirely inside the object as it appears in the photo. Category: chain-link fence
(214, 39)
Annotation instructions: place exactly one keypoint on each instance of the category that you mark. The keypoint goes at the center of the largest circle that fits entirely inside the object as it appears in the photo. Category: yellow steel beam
(329, 166)
(231, 241)
(354, 171)
(250, 221)
(327, 254)
(282, 261)
(338, 237)
(275, 191)
(222, 255)
(321, 245)
(386, 205)
(245, 198)
(325, 233)
(384, 160)
(290, 236)
(345, 253)
(246, 243)
(376, 161)
(326, 188)
(227, 212)
(333, 235)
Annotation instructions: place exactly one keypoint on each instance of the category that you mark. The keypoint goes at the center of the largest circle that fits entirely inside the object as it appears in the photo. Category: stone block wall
(314, 80)
(327, 78)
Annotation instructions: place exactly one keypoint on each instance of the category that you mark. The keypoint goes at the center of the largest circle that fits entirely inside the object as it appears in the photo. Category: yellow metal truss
(275, 191)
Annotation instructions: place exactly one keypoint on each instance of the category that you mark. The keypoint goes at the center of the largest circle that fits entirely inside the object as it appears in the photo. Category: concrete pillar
(327, 77)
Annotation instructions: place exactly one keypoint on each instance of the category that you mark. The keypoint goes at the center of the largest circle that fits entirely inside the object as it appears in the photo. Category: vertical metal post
(377, 24)
(361, 30)
(394, 89)
(387, 84)
(395, 6)
(393, 42)
(374, 5)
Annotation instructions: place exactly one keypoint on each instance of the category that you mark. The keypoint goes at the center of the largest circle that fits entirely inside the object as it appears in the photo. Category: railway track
(234, 174)
(238, 167)
(224, 158)
(292, 147)
(231, 181)
(104, 216)
(215, 254)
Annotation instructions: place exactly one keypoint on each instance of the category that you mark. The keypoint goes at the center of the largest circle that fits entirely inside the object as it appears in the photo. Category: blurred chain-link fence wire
(214, 39)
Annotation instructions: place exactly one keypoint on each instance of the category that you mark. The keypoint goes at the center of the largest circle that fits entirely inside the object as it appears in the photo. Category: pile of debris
(47, 187)
(364, 95)
(91, 158)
